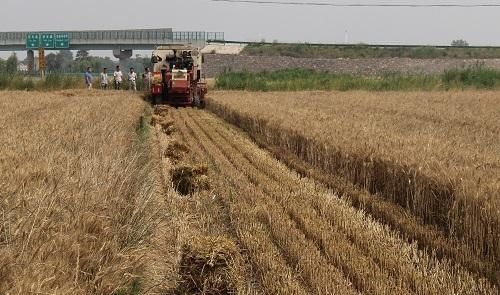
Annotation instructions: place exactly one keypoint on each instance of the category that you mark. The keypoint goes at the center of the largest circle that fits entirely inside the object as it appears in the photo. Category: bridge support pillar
(122, 55)
(31, 61)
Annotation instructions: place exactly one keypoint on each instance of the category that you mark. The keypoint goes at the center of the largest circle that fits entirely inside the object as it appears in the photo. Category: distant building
(22, 67)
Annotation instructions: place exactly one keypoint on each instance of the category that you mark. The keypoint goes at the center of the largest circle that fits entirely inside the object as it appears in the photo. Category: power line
(356, 4)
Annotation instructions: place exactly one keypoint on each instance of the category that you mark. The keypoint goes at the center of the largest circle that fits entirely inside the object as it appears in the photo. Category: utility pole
(31, 61)
(41, 62)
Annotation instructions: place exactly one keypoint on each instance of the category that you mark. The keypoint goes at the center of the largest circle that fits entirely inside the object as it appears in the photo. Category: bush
(475, 76)
(363, 51)
(30, 83)
(301, 79)
(4, 81)
(18, 82)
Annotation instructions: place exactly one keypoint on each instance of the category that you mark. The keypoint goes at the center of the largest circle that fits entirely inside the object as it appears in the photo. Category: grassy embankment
(360, 51)
(475, 77)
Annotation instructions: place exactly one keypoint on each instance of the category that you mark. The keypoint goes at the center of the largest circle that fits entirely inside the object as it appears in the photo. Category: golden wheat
(91, 203)
(76, 203)
(435, 154)
(301, 239)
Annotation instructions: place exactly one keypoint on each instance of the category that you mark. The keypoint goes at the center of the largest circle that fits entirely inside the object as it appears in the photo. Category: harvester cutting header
(176, 79)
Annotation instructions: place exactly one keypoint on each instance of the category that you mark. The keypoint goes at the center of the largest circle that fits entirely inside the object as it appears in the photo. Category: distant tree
(95, 62)
(52, 62)
(459, 43)
(81, 54)
(66, 54)
(65, 59)
(2, 66)
(139, 63)
(11, 64)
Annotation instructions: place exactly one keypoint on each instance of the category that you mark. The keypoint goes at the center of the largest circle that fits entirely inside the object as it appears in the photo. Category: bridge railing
(108, 36)
(215, 36)
(149, 36)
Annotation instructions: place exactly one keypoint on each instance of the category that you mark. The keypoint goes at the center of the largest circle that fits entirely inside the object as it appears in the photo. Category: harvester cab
(177, 76)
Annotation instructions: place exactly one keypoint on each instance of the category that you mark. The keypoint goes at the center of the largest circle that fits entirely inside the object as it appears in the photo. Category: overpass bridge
(121, 42)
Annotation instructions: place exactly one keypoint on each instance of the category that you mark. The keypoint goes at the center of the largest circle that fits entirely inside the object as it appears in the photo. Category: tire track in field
(339, 249)
(276, 276)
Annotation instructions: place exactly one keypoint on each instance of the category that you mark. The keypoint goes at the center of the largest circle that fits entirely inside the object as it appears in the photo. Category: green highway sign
(62, 41)
(47, 41)
(33, 41)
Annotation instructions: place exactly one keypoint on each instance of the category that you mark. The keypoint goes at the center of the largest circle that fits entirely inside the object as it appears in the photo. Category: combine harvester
(176, 79)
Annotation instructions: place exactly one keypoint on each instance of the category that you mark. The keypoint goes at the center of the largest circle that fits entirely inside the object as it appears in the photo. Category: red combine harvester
(176, 78)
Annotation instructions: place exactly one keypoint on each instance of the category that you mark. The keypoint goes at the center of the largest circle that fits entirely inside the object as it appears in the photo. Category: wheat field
(101, 194)
(432, 157)
(77, 209)
(294, 233)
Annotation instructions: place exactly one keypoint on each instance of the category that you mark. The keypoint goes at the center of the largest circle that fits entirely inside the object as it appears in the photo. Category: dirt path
(293, 235)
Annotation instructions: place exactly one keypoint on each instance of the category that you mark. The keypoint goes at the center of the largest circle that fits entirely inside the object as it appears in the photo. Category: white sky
(479, 26)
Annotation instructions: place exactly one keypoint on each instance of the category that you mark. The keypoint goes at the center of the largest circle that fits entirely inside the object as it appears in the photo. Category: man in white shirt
(118, 75)
(104, 79)
(132, 79)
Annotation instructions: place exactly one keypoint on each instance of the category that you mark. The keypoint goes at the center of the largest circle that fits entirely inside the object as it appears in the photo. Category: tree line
(65, 62)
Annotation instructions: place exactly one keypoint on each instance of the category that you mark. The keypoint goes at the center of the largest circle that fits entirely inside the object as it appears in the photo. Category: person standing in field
(88, 78)
(118, 76)
(132, 79)
(104, 79)
(146, 77)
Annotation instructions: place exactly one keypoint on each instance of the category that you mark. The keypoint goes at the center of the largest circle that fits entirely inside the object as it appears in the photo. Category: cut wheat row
(321, 277)
(413, 282)
(202, 220)
(363, 271)
(391, 146)
(411, 228)
(457, 279)
(316, 202)
(276, 276)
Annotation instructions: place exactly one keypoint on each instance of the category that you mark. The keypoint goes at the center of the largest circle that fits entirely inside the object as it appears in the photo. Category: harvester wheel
(196, 101)
(153, 99)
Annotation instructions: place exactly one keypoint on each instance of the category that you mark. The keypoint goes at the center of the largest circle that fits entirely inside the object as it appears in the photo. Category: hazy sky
(479, 26)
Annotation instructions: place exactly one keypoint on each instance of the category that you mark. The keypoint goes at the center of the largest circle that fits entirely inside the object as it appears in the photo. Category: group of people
(117, 78)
